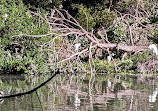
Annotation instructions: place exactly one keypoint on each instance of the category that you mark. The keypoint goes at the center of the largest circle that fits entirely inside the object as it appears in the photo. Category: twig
(76, 54)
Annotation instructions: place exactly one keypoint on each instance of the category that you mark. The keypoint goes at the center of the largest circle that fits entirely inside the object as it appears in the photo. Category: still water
(81, 92)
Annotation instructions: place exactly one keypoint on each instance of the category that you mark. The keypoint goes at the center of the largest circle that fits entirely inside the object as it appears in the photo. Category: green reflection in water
(77, 92)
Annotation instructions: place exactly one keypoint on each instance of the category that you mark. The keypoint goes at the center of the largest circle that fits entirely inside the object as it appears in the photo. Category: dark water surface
(81, 92)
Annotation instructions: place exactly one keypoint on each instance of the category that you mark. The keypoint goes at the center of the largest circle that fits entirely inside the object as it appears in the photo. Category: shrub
(19, 53)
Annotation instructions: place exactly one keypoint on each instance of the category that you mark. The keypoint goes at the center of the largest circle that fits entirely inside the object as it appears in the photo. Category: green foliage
(19, 20)
(126, 66)
(129, 65)
(16, 19)
(124, 6)
(104, 17)
(36, 62)
(155, 36)
(37, 2)
(155, 32)
(154, 18)
(45, 4)
(102, 66)
(85, 17)
(9, 63)
(119, 33)
(94, 17)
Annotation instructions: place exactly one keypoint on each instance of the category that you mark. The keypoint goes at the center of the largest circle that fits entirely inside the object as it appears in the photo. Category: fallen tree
(67, 25)
(66, 31)
(62, 22)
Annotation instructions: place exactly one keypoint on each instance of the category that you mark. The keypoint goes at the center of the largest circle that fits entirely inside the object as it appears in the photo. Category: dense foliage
(21, 53)
(18, 52)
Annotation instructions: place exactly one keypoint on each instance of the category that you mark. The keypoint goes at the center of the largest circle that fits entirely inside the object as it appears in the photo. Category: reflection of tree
(60, 93)
(152, 97)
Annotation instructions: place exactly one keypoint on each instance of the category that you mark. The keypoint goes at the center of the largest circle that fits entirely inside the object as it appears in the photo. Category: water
(81, 92)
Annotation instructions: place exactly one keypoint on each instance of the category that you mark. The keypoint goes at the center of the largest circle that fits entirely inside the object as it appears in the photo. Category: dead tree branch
(64, 25)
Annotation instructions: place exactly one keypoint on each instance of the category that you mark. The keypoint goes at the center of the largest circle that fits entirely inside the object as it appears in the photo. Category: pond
(81, 92)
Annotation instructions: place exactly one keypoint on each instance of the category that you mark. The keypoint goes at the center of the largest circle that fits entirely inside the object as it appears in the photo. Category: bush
(19, 53)
(97, 16)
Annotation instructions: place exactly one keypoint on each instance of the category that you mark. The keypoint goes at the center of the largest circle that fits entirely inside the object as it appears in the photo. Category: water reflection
(152, 97)
(109, 86)
(82, 92)
(1, 94)
(76, 100)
